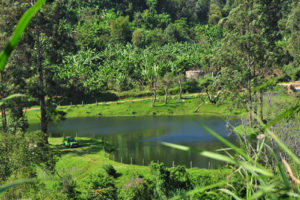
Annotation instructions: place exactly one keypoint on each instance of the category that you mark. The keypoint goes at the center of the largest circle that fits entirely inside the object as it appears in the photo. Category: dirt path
(295, 84)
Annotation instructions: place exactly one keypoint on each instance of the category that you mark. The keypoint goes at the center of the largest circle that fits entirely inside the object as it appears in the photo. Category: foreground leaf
(7, 186)
(4, 100)
(21, 26)
(255, 170)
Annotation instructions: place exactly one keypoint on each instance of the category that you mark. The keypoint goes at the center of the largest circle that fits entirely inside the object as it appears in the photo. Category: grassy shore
(89, 158)
(142, 107)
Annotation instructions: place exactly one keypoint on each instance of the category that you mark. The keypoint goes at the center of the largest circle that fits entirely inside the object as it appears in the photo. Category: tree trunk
(166, 95)
(154, 90)
(255, 106)
(4, 124)
(261, 106)
(250, 107)
(269, 105)
(42, 96)
(180, 89)
(3, 112)
(198, 107)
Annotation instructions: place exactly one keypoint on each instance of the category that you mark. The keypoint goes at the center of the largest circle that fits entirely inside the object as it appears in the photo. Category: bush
(168, 181)
(99, 187)
(179, 178)
(110, 170)
(137, 188)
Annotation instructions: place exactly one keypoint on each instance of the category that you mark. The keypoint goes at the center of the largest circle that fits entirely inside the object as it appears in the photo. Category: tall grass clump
(267, 167)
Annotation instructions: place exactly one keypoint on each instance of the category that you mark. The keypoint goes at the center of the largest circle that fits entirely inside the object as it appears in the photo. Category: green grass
(175, 106)
(89, 158)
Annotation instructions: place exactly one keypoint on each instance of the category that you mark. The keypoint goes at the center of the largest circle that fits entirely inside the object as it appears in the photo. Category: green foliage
(92, 32)
(182, 30)
(21, 154)
(210, 35)
(92, 46)
(5, 187)
(120, 30)
(215, 14)
(136, 188)
(64, 187)
(20, 28)
(138, 38)
(81, 71)
(293, 27)
(99, 187)
(261, 181)
(155, 38)
(211, 86)
(168, 181)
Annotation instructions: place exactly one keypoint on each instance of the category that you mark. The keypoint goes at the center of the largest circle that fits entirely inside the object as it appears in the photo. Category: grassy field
(142, 107)
(175, 106)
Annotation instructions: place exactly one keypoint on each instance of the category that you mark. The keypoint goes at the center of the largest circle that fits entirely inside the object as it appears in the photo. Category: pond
(138, 138)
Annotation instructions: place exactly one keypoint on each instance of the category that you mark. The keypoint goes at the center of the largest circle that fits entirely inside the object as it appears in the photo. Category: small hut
(194, 74)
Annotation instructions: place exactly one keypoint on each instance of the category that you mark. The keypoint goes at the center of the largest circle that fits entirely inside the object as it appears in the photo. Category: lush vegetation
(88, 168)
(93, 51)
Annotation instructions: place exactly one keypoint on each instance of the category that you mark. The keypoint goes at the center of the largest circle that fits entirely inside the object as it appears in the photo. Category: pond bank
(142, 107)
(89, 159)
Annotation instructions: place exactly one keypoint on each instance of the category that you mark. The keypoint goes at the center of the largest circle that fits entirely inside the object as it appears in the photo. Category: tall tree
(293, 26)
(50, 38)
(249, 46)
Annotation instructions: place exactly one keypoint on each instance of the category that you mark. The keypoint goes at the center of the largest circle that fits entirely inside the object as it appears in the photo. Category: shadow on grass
(117, 175)
(90, 146)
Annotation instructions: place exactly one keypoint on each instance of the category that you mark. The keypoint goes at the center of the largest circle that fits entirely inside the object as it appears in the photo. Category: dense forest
(103, 46)
(101, 50)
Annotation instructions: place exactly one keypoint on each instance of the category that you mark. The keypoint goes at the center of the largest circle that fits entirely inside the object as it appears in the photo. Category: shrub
(110, 170)
(179, 178)
(137, 188)
(69, 187)
(168, 181)
(99, 187)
